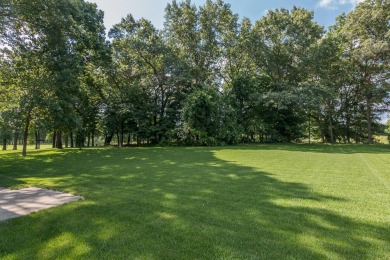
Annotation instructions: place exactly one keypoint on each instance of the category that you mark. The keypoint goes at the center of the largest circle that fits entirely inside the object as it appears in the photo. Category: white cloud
(352, 2)
(325, 3)
(334, 4)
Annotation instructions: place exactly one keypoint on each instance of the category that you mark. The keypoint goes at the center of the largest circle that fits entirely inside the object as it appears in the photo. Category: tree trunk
(80, 139)
(93, 137)
(309, 131)
(77, 136)
(128, 139)
(71, 139)
(4, 144)
(67, 140)
(37, 141)
(108, 139)
(348, 130)
(16, 137)
(89, 139)
(54, 139)
(369, 121)
(331, 132)
(118, 139)
(59, 139)
(121, 140)
(25, 134)
(330, 125)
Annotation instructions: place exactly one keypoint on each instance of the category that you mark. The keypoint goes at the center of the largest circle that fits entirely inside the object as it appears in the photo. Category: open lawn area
(244, 202)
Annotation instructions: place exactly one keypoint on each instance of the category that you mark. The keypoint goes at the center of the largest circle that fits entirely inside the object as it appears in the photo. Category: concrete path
(15, 203)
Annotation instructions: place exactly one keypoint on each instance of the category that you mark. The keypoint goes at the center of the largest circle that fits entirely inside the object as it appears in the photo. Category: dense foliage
(207, 78)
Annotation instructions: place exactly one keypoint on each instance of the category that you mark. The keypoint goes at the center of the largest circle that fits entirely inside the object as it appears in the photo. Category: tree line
(208, 77)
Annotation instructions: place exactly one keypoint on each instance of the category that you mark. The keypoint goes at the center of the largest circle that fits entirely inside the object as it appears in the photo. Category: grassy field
(244, 202)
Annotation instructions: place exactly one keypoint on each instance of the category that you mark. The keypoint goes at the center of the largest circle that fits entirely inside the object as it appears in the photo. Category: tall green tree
(51, 41)
(281, 42)
(367, 32)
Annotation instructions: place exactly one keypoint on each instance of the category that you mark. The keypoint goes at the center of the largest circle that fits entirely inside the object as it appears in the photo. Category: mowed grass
(241, 202)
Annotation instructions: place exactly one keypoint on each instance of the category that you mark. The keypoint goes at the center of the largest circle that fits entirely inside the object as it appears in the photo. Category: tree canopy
(206, 78)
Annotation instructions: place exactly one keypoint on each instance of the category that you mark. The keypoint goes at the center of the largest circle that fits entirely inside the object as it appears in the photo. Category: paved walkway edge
(15, 203)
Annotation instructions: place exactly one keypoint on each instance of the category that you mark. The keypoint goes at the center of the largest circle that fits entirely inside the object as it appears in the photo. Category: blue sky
(325, 10)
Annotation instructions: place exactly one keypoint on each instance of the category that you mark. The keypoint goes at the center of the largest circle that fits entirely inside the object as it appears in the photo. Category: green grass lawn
(244, 202)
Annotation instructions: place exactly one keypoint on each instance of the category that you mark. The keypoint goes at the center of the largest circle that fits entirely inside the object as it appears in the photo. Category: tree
(50, 43)
(367, 31)
(202, 37)
(201, 115)
(279, 51)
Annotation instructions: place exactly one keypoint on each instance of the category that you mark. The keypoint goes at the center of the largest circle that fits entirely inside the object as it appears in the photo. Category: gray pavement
(15, 203)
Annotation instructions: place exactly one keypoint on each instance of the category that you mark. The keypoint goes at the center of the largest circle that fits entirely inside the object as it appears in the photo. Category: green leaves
(266, 81)
(281, 41)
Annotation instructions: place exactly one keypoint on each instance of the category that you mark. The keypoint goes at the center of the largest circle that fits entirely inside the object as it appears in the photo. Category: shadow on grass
(176, 203)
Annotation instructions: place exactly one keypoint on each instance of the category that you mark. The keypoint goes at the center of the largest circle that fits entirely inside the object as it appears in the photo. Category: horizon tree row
(206, 78)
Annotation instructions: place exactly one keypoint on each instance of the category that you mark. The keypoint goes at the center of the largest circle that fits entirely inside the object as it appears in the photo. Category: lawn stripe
(374, 172)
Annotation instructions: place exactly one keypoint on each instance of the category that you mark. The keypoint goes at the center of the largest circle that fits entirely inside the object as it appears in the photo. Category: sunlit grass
(20, 147)
(266, 201)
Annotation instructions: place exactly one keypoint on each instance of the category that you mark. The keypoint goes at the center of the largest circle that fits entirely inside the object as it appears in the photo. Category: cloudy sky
(325, 10)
